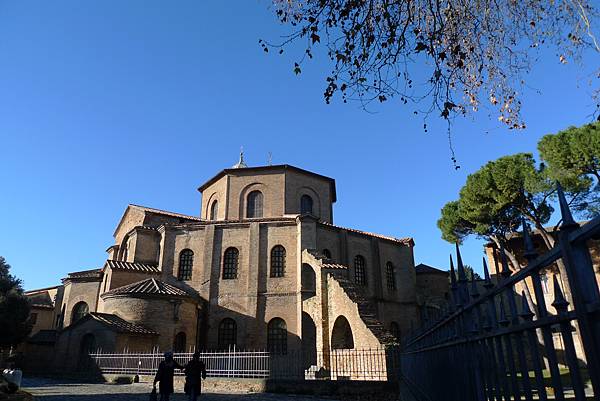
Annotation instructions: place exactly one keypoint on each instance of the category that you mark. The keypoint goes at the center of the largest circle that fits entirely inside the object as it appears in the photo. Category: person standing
(195, 371)
(166, 371)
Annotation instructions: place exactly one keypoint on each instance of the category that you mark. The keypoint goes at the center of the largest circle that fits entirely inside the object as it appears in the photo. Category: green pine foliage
(572, 157)
(496, 198)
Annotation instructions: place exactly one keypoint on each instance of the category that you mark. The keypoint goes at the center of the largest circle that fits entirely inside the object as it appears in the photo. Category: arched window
(179, 342)
(306, 205)
(186, 263)
(87, 347)
(88, 344)
(230, 263)
(277, 261)
(79, 310)
(254, 206)
(395, 330)
(214, 210)
(277, 336)
(341, 335)
(390, 274)
(360, 275)
(227, 333)
(308, 279)
(327, 253)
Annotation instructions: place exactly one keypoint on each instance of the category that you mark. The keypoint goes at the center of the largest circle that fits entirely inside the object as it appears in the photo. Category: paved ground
(53, 390)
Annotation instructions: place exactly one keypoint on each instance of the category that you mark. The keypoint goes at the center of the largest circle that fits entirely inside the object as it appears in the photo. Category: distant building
(262, 267)
(433, 289)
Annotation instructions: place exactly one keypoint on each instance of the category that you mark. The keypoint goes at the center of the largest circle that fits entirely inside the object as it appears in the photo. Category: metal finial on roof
(241, 163)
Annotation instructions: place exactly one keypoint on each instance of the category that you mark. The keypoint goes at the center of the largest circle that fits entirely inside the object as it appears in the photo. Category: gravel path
(53, 390)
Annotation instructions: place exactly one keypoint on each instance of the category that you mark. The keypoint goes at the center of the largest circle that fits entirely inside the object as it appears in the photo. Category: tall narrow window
(360, 275)
(227, 333)
(277, 261)
(214, 210)
(306, 205)
(254, 207)
(79, 310)
(277, 336)
(390, 274)
(186, 263)
(230, 263)
(179, 342)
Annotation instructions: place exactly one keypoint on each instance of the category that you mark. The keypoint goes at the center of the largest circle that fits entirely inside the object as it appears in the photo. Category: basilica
(262, 266)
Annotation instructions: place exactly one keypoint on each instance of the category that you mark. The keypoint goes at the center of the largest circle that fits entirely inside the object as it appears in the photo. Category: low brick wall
(212, 384)
(308, 387)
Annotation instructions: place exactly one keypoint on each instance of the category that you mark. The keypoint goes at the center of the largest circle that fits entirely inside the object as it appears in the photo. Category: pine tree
(14, 308)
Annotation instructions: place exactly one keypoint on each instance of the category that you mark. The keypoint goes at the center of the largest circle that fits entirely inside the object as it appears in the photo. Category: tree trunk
(550, 241)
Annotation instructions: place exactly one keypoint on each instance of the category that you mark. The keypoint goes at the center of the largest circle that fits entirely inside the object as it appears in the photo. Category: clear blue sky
(108, 103)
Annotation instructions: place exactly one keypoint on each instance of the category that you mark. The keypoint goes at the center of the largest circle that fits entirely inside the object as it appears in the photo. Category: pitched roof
(404, 241)
(150, 286)
(40, 290)
(43, 337)
(114, 323)
(40, 298)
(259, 169)
(165, 213)
(120, 325)
(423, 268)
(86, 274)
(132, 266)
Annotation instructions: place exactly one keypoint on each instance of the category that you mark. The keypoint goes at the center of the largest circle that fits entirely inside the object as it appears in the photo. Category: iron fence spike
(565, 211)
(526, 312)
(530, 252)
(486, 273)
(560, 303)
(462, 277)
(452, 273)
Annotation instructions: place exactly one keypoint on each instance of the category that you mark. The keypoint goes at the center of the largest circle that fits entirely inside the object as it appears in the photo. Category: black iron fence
(504, 342)
(376, 364)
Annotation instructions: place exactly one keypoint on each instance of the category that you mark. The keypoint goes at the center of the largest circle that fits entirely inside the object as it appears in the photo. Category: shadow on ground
(63, 390)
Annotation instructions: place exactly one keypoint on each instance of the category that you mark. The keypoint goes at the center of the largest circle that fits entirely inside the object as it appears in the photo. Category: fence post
(584, 290)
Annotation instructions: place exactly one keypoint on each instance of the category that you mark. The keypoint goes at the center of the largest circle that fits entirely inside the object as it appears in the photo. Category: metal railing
(502, 344)
(375, 364)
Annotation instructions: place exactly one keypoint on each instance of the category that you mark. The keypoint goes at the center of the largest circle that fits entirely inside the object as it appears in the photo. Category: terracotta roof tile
(149, 286)
(167, 213)
(132, 266)
(93, 273)
(423, 268)
(405, 241)
(117, 324)
(40, 299)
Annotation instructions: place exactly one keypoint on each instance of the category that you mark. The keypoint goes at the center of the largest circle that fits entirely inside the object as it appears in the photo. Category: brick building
(262, 267)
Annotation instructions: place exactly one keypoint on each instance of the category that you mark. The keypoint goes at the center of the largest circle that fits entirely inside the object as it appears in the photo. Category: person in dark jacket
(195, 371)
(166, 370)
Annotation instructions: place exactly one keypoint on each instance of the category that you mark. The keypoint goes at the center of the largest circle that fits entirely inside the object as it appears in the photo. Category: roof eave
(226, 171)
